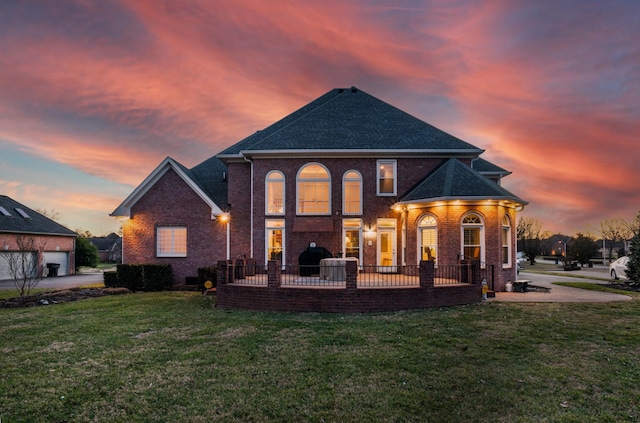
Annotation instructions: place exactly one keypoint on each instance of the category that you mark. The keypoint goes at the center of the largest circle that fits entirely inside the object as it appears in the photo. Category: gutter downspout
(251, 193)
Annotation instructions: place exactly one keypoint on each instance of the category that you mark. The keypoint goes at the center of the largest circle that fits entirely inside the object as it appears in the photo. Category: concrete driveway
(61, 282)
(563, 294)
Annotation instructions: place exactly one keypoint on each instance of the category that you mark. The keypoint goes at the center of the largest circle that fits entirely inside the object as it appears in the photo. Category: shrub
(130, 276)
(110, 279)
(86, 253)
(157, 277)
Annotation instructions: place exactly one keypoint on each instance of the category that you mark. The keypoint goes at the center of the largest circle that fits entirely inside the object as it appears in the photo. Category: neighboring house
(55, 240)
(348, 172)
(109, 248)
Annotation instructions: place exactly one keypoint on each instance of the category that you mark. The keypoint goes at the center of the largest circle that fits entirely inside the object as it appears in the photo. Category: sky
(95, 94)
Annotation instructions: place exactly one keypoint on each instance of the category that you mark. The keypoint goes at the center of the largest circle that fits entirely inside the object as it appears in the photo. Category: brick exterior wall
(170, 202)
(409, 173)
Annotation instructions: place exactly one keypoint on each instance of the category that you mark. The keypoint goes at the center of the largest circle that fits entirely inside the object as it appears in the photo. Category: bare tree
(614, 231)
(529, 232)
(24, 265)
(51, 214)
(634, 225)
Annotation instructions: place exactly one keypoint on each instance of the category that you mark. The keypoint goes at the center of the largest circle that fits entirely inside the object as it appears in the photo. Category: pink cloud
(112, 91)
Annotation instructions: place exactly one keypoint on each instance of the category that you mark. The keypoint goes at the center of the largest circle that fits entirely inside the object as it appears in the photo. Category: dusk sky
(95, 94)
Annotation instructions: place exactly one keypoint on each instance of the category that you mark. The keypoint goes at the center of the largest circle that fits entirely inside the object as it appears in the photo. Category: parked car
(618, 269)
(520, 259)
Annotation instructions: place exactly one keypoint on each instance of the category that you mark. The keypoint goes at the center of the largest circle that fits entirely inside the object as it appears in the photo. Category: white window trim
(171, 253)
(509, 245)
(419, 235)
(395, 177)
(328, 181)
(270, 225)
(266, 192)
(344, 193)
(355, 224)
(481, 226)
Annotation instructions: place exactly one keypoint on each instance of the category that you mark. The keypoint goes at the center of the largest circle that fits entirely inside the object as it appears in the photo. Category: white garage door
(4, 265)
(60, 257)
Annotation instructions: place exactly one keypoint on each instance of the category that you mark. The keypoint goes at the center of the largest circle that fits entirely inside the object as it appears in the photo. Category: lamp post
(225, 218)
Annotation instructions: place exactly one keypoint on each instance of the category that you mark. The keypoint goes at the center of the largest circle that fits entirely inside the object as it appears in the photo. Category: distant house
(347, 172)
(56, 241)
(109, 248)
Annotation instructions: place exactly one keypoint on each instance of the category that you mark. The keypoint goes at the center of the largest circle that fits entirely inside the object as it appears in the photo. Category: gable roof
(350, 121)
(453, 180)
(106, 243)
(29, 221)
(200, 179)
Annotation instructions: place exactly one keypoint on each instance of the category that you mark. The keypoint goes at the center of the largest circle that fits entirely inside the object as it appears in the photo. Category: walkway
(563, 294)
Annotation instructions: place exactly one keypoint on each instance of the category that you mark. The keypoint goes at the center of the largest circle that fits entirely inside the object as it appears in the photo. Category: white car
(618, 269)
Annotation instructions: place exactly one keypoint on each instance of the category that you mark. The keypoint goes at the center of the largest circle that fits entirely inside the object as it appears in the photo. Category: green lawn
(174, 357)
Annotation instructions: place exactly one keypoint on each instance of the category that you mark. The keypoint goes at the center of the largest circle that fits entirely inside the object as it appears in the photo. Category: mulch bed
(62, 296)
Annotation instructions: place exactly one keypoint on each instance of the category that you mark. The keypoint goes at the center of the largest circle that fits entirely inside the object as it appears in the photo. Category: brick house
(54, 242)
(347, 172)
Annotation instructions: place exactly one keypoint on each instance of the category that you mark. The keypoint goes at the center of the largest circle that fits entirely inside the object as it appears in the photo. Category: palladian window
(314, 190)
(428, 238)
(473, 237)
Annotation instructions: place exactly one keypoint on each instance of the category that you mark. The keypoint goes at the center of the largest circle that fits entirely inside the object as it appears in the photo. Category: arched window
(506, 241)
(352, 193)
(473, 237)
(274, 196)
(428, 238)
(314, 190)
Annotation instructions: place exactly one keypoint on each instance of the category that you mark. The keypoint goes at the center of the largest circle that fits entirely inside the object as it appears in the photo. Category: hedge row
(140, 277)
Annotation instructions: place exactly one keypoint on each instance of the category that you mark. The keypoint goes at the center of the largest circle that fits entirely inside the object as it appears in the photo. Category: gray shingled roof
(210, 176)
(35, 223)
(485, 167)
(350, 119)
(453, 180)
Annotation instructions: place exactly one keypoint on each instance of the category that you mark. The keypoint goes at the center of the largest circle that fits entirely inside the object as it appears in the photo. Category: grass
(598, 287)
(173, 356)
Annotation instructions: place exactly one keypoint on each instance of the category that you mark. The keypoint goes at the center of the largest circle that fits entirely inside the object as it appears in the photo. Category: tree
(633, 265)
(25, 267)
(529, 233)
(613, 231)
(582, 249)
(51, 214)
(634, 225)
(86, 253)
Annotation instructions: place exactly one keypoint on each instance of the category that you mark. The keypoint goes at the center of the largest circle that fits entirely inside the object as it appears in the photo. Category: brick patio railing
(360, 291)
